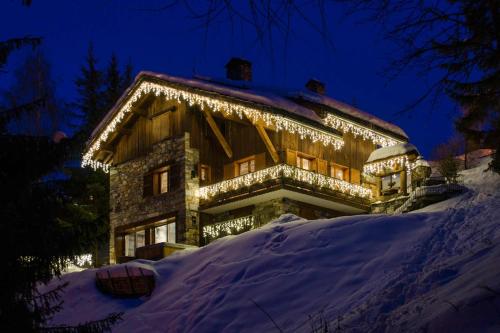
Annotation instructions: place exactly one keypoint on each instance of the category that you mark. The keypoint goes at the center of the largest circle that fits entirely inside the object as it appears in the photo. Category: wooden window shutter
(355, 176)
(346, 175)
(314, 165)
(260, 161)
(322, 167)
(229, 171)
(147, 185)
(291, 157)
(119, 246)
(174, 177)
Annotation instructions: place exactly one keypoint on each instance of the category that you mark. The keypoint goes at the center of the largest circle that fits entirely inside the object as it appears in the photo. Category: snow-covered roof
(245, 91)
(392, 151)
(228, 89)
(421, 162)
(350, 111)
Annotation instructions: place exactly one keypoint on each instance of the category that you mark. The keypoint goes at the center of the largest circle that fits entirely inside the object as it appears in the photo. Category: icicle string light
(287, 171)
(227, 227)
(346, 126)
(278, 121)
(391, 164)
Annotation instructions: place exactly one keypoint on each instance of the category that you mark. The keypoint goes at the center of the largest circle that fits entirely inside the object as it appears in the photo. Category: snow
(392, 151)
(246, 91)
(431, 270)
(231, 89)
(350, 110)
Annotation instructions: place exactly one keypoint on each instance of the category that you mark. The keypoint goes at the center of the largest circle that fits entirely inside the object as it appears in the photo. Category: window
(158, 232)
(246, 167)
(164, 233)
(339, 171)
(304, 163)
(391, 183)
(163, 181)
(159, 181)
(204, 173)
(130, 245)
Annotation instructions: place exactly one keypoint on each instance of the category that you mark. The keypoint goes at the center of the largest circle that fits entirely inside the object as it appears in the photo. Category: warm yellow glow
(227, 227)
(391, 164)
(287, 171)
(346, 126)
(277, 121)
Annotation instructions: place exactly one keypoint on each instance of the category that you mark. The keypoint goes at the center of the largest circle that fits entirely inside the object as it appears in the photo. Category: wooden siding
(159, 120)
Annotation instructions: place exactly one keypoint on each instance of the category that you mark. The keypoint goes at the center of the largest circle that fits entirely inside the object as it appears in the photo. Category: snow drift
(432, 270)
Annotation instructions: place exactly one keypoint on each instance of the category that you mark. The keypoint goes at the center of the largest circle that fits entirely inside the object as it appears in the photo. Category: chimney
(316, 86)
(238, 69)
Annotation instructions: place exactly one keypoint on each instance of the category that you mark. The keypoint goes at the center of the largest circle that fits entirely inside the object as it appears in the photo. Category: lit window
(304, 163)
(246, 167)
(165, 233)
(338, 171)
(130, 245)
(204, 173)
(163, 181)
(161, 234)
(140, 238)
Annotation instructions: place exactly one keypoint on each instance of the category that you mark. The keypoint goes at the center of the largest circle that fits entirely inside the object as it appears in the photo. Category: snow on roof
(392, 151)
(246, 92)
(230, 89)
(350, 110)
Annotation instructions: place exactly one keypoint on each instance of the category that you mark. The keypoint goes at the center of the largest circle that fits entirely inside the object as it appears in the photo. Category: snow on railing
(286, 171)
(426, 191)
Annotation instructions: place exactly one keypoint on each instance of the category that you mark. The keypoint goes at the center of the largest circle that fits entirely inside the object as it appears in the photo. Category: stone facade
(268, 211)
(129, 206)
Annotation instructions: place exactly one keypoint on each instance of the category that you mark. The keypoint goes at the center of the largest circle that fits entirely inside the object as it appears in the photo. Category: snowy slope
(433, 270)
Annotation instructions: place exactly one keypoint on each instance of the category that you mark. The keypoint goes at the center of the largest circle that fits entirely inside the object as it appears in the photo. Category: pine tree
(112, 83)
(99, 90)
(90, 87)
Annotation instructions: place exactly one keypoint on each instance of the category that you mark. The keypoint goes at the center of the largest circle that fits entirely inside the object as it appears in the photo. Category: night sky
(171, 41)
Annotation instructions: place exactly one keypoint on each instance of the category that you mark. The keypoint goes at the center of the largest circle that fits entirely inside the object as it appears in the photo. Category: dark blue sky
(171, 42)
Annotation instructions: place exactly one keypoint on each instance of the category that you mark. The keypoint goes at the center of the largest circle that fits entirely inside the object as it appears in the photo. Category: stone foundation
(129, 207)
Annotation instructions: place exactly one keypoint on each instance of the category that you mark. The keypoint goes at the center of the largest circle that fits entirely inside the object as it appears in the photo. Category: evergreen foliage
(46, 221)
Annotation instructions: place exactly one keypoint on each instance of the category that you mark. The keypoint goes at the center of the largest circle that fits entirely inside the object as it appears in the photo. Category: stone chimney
(238, 69)
(316, 86)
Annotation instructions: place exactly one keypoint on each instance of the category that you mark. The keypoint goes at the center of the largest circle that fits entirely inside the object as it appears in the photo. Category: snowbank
(435, 270)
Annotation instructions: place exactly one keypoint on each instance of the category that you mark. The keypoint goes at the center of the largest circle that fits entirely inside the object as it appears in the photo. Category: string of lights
(279, 122)
(346, 126)
(229, 227)
(287, 171)
(391, 164)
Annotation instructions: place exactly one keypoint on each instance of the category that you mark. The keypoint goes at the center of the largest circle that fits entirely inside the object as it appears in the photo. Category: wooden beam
(169, 109)
(218, 134)
(269, 144)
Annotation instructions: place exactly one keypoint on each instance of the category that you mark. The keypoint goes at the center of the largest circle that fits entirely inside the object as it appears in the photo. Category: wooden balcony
(285, 179)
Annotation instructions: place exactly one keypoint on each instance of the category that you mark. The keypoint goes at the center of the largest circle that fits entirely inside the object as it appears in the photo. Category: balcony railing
(229, 227)
(284, 171)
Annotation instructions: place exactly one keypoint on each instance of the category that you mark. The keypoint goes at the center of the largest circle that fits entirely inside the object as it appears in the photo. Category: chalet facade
(191, 160)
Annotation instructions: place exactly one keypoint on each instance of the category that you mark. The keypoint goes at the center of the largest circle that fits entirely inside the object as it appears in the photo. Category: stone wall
(268, 211)
(128, 205)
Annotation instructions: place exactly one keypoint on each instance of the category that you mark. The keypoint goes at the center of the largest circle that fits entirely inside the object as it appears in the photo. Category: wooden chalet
(191, 160)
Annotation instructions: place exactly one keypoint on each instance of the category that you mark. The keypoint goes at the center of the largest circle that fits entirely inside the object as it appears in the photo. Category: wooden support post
(378, 192)
(269, 144)
(218, 134)
(404, 186)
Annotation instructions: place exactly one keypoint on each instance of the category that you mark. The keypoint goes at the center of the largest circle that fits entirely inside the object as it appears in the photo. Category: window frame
(155, 177)
(250, 161)
(148, 229)
(345, 171)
